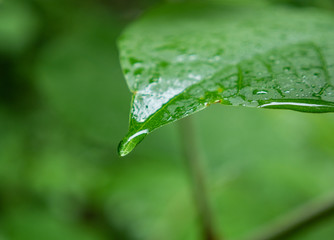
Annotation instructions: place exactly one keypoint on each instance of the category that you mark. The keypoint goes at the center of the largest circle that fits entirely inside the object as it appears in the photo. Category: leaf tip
(131, 141)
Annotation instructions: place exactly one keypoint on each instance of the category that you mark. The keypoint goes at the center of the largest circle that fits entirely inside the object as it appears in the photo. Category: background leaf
(180, 59)
(67, 66)
(18, 26)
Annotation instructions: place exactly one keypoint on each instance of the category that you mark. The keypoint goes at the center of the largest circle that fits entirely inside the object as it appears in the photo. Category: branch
(193, 159)
(298, 220)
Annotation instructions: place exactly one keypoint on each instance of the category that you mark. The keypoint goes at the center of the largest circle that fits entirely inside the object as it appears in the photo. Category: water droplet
(130, 142)
(260, 92)
(216, 58)
(180, 58)
(194, 76)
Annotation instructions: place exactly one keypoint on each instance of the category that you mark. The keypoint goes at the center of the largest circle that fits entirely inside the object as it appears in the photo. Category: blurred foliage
(63, 109)
(307, 3)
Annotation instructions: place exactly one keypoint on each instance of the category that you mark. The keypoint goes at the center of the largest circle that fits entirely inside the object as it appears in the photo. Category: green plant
(182, 58)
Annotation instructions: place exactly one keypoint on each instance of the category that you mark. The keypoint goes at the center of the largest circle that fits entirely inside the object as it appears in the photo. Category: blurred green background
(64, 107)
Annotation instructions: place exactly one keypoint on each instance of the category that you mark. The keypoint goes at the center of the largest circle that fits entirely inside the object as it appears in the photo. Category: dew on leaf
(260, 92)
(283, 68)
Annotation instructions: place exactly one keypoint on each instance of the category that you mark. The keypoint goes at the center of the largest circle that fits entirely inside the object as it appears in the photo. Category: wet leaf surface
(180, 59)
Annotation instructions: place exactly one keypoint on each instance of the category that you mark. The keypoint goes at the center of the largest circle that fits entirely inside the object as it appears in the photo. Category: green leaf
(29, 222)
(18, 26)
(180, 59)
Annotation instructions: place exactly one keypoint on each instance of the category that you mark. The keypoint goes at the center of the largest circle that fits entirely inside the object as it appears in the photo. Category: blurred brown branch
(193, 162)
(298, 220)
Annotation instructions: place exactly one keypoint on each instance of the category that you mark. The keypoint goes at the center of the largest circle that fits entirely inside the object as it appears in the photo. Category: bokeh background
(64, 107)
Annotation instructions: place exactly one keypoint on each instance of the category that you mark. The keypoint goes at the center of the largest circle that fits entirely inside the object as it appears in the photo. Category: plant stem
(300, 219)
(193, 162)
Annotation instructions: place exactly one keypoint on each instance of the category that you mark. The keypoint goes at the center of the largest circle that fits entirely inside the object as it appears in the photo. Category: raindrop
(260, 92)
